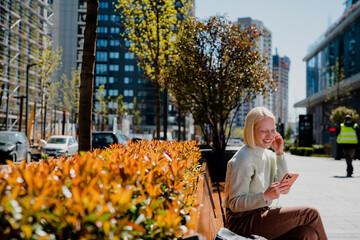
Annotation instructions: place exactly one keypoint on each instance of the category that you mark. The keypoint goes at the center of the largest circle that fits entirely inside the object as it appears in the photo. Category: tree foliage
(338, 115)
(102, 106)
(218, 68)
(136, 118)
(289, 132)
(70, 91)
(151, 28)
(237, 132)
(48, 62)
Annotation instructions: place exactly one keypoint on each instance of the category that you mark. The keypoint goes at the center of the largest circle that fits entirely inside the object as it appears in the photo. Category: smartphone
(289, 178)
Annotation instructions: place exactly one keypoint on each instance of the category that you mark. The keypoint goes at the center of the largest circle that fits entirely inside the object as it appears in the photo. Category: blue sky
(295, 25)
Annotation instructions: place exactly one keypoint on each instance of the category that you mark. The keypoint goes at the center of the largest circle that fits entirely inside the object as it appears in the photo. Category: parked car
(61, 145)
(14, 146)
(104, 139)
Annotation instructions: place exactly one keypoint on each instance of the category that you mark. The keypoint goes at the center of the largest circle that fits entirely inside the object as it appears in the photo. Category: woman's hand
(278, 144)
(275, 189)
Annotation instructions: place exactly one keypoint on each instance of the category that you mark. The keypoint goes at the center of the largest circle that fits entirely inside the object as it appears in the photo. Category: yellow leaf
(27, 229)
(106, 227)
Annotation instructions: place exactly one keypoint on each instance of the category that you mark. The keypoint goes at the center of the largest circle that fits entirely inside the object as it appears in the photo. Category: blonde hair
(252, 118)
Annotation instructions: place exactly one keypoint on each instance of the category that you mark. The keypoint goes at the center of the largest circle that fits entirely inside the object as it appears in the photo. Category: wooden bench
(209, 219)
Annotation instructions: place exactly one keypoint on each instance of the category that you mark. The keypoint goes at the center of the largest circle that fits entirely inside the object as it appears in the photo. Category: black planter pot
(217, 163)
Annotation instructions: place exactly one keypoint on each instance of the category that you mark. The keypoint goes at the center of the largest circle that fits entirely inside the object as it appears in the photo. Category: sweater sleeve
(239, 197)
(281, 167)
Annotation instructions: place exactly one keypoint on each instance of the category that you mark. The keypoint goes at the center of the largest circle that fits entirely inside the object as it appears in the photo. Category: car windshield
(7, 138)
(102, 138)
(57, 140)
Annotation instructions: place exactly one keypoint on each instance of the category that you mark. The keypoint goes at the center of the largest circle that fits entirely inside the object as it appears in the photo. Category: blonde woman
(252, 183)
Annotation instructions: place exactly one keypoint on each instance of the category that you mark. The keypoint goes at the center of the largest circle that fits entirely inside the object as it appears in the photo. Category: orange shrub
(142, 190)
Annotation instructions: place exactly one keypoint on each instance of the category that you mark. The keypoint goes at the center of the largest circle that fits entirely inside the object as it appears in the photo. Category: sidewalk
(322, 184)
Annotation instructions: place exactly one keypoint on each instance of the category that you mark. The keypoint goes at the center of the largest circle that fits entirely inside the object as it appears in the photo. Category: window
(103, 5)
(114, 30)
(102, 29)
(115, 18)
(101, 94)
(129, 68)
(100, 80)
(113, 92)
(128, 93)
(142, 94)
(101, 43)
(129, 55)
(114, 67)
(141, 81)
(114, 43)
(103, 17)
(101, 56)
(101, 68)
(128, 80)
(127, 43)
(114, 55)
(113, 105)
(113, 79)
(128, 105)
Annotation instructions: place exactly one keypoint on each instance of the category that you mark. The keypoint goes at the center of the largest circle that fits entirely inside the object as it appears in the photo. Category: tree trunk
(87, 76)
(165, 113)
(157, 109)
(64, 121)
(184, 128)
(179, 124)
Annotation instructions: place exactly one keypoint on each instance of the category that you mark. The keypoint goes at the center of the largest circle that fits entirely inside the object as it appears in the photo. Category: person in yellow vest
(348, 141)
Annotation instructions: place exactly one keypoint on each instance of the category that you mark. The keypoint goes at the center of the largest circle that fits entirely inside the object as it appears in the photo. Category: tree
(49, 61)
(289, 132)
(218, 68)
(87, 75)
(70, 93)
(136, 118)
(238, 132)
(120, 110)
(102, 106)
(338, 115)
(339, 91)
(151, 27)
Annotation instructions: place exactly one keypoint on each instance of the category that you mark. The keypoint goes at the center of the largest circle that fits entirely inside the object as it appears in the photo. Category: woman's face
(265, 132)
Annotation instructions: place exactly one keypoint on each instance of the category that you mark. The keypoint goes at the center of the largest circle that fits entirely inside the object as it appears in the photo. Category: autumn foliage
(142, 190)
(218, 68)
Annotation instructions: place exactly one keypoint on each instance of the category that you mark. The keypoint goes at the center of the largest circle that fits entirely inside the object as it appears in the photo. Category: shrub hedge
(302, 151)
(144, 190)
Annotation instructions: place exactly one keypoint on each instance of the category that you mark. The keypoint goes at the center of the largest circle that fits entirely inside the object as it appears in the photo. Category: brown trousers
(278, 223)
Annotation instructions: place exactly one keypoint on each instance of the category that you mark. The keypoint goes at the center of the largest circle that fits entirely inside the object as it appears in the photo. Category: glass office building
(336, 51)
(116, 69)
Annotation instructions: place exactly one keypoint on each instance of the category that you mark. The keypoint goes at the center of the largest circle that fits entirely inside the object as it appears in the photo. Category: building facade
(337, 51)
(281, 68)
(265, 48)
(69, 27)
(116, 69)
(25, 32)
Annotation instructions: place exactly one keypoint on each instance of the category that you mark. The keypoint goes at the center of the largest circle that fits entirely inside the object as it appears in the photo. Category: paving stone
(322, 184)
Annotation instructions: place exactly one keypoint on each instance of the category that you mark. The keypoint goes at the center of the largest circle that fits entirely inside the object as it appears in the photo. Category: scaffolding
(25, 31)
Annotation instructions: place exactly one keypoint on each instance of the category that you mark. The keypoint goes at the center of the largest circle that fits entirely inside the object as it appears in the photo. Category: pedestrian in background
(347, 139)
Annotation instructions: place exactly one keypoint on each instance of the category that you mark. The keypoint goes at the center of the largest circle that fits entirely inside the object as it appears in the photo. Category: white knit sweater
(249, 173)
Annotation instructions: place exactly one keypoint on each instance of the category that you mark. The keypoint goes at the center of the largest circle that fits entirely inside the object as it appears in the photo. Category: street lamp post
(27, 97)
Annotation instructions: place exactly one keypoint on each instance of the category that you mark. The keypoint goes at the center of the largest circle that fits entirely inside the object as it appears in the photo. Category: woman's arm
(239, 197)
